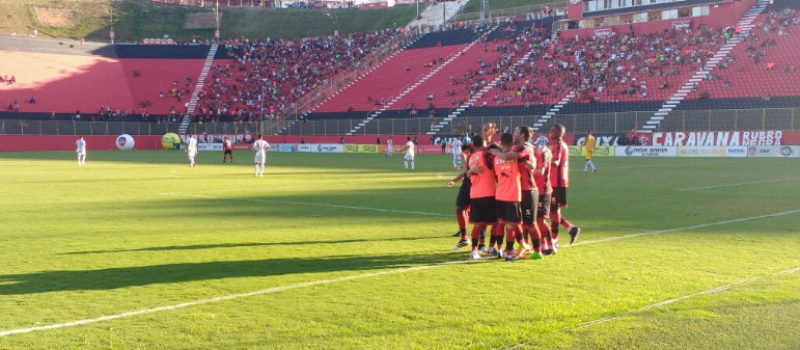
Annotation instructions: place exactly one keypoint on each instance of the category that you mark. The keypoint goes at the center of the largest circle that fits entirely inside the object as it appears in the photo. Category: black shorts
(559, 198)
(462, 200)
(509, 212)
(544, 205)
(482, 210)
(530, 206)
(227, 151)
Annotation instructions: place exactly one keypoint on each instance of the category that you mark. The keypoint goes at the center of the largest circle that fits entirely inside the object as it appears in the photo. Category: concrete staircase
(192, 105)
(416, 84)
(474, 98)
(432, 15)
(552, 112)
(747, 24)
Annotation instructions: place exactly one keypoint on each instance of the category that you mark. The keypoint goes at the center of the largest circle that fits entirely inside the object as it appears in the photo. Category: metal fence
(52, 127)
(787, 119)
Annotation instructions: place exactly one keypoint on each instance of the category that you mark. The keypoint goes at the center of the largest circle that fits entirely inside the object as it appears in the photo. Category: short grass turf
(364, 247)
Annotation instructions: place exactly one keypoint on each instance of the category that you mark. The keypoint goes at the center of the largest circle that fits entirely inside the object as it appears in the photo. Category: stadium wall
(24, 143)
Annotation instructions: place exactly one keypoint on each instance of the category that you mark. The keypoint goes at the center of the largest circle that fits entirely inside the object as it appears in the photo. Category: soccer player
(559, 176)
(191, 150)
(508, 196)
(589, 146)
(80, 149)
(523, 154)
(389, 150)
(541, 176)
(462, 200)
(227, 147)
(482, 208)
(261, 147)
(456, 144)
(488, 131)
(409, 158)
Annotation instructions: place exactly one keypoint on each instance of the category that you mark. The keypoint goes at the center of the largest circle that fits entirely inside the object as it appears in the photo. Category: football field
(136, 250)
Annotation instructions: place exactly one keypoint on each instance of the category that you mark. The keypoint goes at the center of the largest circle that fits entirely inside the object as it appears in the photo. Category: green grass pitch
(350, 251)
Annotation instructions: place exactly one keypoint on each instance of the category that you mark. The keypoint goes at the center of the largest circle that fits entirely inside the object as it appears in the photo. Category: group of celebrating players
(512, 188)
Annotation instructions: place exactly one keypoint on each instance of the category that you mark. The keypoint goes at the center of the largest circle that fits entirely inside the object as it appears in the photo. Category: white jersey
(389, 146)
(80, 146)
(410, 150)
(456, 144)
(261, 147)
(191, 147)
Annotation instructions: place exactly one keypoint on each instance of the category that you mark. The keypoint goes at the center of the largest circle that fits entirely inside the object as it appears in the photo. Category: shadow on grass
(246, 245)
(115, 278)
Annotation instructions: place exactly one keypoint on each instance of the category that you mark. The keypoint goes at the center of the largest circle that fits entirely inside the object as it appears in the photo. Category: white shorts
(409, 158)
(81, 154)
(261, 159)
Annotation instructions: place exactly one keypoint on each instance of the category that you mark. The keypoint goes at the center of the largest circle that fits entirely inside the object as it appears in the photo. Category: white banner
(723, 152)
(209, 147)
(329, 148)
(304, 148)
(286, 147)
(217, 138)
(774, 151)
(645, 151)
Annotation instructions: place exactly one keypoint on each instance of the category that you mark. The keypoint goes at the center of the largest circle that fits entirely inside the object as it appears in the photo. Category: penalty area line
(355, 277)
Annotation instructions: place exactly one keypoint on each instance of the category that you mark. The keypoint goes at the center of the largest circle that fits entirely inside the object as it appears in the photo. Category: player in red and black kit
(227, 147)
(462, 200)
(560, 180)
(509, 195)
(482, 192)
(542, 178)
(523, 153)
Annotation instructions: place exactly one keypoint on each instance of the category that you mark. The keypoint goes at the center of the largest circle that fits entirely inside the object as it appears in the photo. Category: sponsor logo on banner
(350, 148)
(209, 147)
(708, 139)
(305, 148)
(330, 148)
(688, 151)
(773, 151)
(599, 151)
(600, 139)
(681, 25)
(429, 149)
(603, 33)
(645, 151)
(242, 147)
(217, 138)
(367, 148)
(286, 148)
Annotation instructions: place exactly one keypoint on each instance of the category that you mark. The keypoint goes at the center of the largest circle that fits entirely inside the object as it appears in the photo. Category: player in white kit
(191, 149)
(81, 150)
(261, 147)
(389, 145)
(456, 144)
(409, 158)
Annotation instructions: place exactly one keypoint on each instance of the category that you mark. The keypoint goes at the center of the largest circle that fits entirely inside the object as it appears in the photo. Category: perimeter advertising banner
(350, 148)
(599, 151)
(400, 149)
(708, 139)
(645, 151)
(286, 147)
(773, 151)
(209, 147)
(368, 148)
(722, 152)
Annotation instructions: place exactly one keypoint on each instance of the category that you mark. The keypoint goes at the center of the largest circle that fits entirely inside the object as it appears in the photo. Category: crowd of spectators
(268, 76)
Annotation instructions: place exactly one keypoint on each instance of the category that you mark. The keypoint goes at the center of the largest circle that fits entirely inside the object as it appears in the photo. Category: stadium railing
(617, 122)
(763, 119)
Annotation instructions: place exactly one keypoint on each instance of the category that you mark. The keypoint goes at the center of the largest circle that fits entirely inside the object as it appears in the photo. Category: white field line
(340, 279)
(310, 204)
(738, 184)
(663, 303)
